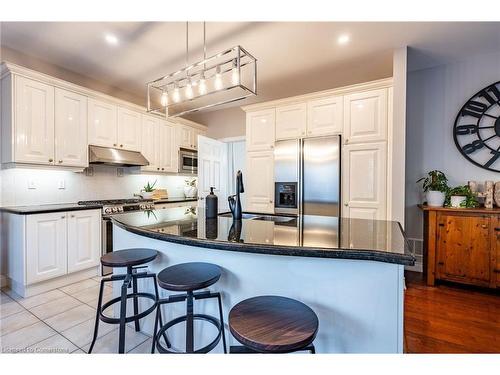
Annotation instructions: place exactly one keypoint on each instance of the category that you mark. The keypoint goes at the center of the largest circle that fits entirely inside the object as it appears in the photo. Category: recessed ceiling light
(343, 39)
(111, 39)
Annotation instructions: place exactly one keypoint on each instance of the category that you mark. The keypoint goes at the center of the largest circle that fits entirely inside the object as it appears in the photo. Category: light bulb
(176, 96)
(235, 75)
(164, 98)
(218, 79)
(202, 87)
(189, 89)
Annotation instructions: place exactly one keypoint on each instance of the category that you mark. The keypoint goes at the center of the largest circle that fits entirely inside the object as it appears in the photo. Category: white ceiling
(289, 54)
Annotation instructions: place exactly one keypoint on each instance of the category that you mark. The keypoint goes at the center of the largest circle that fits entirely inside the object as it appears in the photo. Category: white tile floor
(61, 321)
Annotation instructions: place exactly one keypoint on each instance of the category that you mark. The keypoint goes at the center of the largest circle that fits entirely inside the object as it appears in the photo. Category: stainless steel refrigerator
(307, 176)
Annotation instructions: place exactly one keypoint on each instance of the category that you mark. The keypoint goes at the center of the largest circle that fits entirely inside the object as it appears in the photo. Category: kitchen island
(349, 271)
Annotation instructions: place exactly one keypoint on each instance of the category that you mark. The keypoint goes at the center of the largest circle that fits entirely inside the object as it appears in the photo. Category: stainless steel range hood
(116, 157)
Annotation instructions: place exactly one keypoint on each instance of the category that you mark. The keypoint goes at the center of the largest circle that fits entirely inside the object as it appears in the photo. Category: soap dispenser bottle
(211, 205)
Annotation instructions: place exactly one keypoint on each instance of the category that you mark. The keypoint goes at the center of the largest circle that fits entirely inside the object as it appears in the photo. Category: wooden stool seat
(273, 324)
(128, 257)
(189, 276)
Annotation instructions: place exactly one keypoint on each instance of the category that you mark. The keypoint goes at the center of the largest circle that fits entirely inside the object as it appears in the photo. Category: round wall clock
(477, 128)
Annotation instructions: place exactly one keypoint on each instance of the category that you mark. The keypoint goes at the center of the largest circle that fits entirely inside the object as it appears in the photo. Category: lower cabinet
(462, 245)
(60, 243)
(259, 183)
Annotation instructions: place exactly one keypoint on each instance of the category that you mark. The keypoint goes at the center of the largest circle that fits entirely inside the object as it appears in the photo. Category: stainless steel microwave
(188, 161)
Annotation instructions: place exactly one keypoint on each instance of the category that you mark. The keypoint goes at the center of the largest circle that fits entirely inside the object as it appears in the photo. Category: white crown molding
(381, 83)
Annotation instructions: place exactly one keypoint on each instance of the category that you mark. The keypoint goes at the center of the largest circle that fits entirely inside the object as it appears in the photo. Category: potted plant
(435, 186)
(461, 196)
(148, 190)
(190, 189)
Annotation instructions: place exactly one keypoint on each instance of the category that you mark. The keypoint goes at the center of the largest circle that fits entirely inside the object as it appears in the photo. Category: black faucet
(234, 200)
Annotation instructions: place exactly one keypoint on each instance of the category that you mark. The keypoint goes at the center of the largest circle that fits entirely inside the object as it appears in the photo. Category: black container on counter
(211, 205)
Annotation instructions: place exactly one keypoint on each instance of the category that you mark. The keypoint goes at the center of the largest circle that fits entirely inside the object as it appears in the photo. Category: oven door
(107, 243)
(188, 161)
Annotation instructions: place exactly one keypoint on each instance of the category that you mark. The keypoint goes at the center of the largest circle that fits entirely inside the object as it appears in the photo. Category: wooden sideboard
(462, 245)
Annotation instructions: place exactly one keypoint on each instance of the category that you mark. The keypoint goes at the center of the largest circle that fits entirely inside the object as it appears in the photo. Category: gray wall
(434, 97)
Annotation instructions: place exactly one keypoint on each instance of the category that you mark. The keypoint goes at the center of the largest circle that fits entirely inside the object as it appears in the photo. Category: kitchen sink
(274, 218)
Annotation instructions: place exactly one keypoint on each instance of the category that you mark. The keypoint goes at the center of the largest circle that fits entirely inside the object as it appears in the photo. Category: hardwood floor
(450, 319)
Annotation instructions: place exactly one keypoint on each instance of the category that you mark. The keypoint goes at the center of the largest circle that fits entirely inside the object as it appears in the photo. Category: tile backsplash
(22, 186)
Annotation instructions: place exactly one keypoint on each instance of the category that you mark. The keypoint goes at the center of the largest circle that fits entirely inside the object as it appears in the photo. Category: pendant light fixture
(226, 77)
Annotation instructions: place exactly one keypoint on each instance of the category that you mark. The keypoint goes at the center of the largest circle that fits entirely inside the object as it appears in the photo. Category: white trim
(233, 139)
(3, 281)
(381, 83)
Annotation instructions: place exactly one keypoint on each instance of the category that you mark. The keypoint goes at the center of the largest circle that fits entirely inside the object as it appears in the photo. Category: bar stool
(189, 277)
(272, 324)
(132, 259)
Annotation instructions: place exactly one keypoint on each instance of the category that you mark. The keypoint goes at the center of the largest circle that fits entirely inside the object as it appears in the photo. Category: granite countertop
(307, 236)
(174, 200)
(46, 208)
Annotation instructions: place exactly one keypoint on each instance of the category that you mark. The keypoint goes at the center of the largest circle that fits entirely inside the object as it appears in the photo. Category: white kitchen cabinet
(364, 174)
(365, 116)
(46, 246)
(186, 136)
(325, 116)
(102, 122)
(198, 132)
(169, 151)
(70, 129)
(34, 122)
(259, 181)
(291, 121)
(128, 134)
(84, 239)
(260, 130)
(150, 142)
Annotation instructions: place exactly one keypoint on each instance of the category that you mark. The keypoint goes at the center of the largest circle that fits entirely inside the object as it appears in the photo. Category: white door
(129, 130)
(260, 130)
(34, 119)
(364, 180)
(150, 144)
(291, 121)
(46, 246)
(70, 129)
(169, 152)
(259, 184)
(84, 239)
(102, 123)
(186, 137)
(365, 116)
(212, 171)
(325, 116)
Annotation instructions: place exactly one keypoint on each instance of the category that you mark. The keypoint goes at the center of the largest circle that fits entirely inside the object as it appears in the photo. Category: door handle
(441, 263)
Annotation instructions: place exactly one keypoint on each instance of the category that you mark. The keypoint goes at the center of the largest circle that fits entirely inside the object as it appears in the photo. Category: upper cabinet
(34, 122)
(169, 150)
(365, 116)
(260, 130)
(70, 129)
(128, 130)
(159, 145)
(150, 140)
(102, 123)
(325, 116)
(291, 121)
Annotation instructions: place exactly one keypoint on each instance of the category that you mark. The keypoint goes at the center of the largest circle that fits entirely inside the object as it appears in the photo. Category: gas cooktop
(110, 202)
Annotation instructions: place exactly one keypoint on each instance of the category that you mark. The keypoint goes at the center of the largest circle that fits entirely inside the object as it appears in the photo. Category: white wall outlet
(31, 184)
(61, 184)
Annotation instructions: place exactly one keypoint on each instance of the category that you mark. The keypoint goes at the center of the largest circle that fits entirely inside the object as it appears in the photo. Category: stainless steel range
(110, 208)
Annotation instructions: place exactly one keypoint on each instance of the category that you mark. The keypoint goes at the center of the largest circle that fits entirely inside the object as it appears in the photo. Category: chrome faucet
(234, 200)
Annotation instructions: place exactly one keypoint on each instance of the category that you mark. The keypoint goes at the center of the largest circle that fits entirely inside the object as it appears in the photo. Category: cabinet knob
(72, 215)
(63, 217)
(346, 204)
(441, 263)
(121, 145)
(51, 160)
(163, 169)
(272, 146)
(271, 201)
(114, 144)
(60, 161)
(158, 168)
(346, 141)
(496, 270)
(484, 226)
(201, 198)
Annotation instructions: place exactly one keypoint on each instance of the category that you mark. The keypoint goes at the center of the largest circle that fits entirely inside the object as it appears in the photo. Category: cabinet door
(169, 152)
(186, 137)
(495, 249)
(291, 121)
(196, 133)
(365, 116)
(46, 250)
(102, 124)
(70, 129)
(259, 183)
(463, 248)
(34, 122)
(325, 116)
(129, 130)
(260, 130)
(84, 239)
(364, 181)
(150, 144)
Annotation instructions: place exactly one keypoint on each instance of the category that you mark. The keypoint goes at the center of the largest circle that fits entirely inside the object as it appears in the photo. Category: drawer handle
(497, 229)
(441, 263)
(441, 224)
(496, 270)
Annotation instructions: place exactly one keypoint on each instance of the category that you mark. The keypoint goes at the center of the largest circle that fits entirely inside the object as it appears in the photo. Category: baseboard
(3, 281)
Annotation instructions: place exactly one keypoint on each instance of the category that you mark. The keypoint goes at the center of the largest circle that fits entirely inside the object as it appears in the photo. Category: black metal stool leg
(161, 319)
(97, 318)
(123, 314)
(219, 299)
(189, 323)
(155, 328)
(136, 303)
